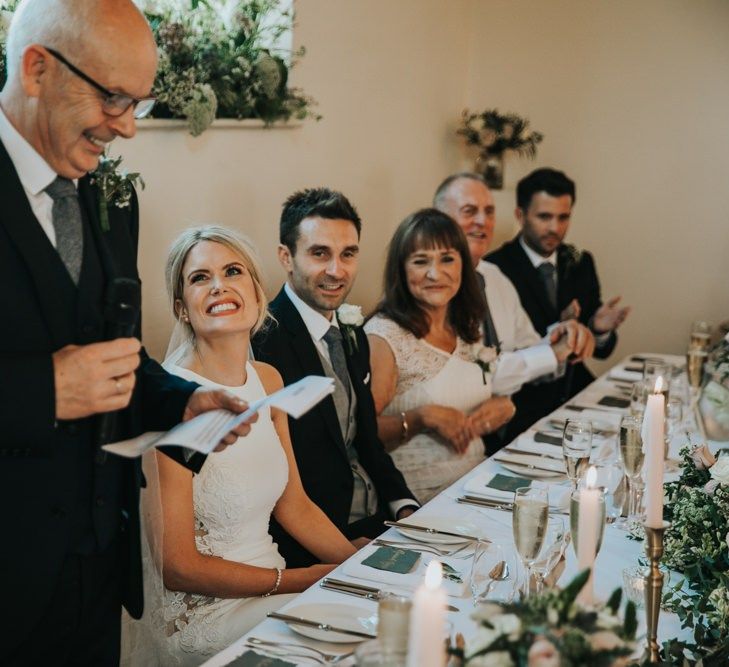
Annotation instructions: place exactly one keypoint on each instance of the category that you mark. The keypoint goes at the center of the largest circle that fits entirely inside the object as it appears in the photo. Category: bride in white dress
(222, 572)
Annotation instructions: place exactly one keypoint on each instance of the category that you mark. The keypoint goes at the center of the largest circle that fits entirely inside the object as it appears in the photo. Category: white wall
(632, 98)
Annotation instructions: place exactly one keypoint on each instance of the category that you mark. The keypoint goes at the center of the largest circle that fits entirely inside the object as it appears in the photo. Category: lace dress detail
(429, 376)
(233, 497)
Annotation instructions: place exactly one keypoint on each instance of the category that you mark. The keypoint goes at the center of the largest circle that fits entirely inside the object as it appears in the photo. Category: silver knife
(545, 455)
(531, 466)
(466, 500)
(296, 620)
(431, 531)
(358, 590)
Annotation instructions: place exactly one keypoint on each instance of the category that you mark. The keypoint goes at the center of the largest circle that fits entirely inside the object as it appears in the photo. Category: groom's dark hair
(314, 202)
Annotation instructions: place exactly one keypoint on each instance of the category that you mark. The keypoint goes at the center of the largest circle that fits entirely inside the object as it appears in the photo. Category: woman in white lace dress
(222, 570)
(430, 372)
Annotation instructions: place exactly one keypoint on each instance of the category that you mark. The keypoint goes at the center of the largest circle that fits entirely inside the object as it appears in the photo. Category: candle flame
(433, 575)
(591, 477)
(658, 386)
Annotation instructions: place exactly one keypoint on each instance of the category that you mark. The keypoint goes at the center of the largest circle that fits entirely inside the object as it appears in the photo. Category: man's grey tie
(333, 339)
(490, 337)
(66, 214)
(547, 273)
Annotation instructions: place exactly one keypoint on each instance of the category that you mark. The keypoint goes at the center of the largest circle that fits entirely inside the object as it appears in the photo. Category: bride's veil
(143, 641)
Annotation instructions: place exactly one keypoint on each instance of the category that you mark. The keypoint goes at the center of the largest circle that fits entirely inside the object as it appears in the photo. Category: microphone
(122, 307)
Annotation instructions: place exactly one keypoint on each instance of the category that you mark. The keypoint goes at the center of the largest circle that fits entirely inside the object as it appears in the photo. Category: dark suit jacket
(316, 437)
(576, 279)
(58, 496)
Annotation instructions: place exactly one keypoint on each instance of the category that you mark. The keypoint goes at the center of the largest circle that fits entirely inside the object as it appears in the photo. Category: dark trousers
(81, 625)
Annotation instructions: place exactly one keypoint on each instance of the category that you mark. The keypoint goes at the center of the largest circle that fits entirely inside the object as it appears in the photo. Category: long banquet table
(618, 551)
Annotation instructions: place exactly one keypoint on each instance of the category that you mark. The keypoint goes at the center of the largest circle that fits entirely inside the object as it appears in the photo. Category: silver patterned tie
(333, 339)
(547, 273)
(66, 215)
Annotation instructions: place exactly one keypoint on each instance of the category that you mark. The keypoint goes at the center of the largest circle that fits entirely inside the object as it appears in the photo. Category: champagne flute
(575, 519)
(555, 542)
(632, 456)
(638, 398)
(531, 513)
(576, 448)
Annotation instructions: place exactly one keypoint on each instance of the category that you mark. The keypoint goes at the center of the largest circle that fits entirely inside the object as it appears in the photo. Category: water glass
(610, 475)
(483, 587)
(638, 398)
(576, 448)
(652, 370)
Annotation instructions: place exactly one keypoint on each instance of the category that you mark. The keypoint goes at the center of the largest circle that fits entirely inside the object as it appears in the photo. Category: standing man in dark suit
(343, 464)
(555, 281)
(78, 72)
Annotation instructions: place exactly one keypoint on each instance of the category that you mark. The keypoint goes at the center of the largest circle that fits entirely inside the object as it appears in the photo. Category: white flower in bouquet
(486, 354)
(350, 315)
(607, 621)
(507, 624)
(605, 641)
(495, 659)
(720, 470)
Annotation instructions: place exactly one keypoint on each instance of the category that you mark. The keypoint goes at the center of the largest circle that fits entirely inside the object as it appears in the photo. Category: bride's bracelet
(279, 574)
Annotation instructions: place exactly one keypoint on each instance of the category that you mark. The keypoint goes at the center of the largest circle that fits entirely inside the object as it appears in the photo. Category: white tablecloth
(617, 552)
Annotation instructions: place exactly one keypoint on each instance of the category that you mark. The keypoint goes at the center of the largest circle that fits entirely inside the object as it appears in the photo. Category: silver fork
(318, 656)
(429, 548)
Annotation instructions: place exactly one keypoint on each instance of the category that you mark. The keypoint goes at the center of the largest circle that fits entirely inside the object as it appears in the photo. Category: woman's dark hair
(427, 229)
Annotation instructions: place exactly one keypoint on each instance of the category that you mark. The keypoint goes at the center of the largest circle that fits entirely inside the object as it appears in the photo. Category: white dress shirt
(317, 325)
(525, 356)
(34, 172)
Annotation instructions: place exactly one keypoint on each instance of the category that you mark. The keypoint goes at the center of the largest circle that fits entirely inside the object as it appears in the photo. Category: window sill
(218, 124)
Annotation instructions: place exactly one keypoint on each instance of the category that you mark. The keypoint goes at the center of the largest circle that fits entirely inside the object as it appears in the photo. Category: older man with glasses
(79, 74)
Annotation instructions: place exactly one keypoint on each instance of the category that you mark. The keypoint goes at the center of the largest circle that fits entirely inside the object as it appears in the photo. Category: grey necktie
(66, 214)
(547, 273)
(490, 337)
(333, 339)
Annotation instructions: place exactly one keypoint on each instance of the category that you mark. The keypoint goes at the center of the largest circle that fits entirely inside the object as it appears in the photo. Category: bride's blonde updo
(232, 240)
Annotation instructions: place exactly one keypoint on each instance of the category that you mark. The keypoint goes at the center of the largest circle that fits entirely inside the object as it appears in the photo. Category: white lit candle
(426, 647)
(588, 532)
(653, 423)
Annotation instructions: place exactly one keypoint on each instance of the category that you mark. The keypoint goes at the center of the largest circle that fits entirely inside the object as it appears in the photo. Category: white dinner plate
(345, 616)
(532, 473)
(450, 524)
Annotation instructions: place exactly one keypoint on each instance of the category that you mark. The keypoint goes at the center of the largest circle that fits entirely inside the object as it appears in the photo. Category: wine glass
(576, 448)
(638, 398)
(673, 423)
(575, 519)
(555, 542)
(609, 477)
(632, 456)
(529, 524)
(652, 370)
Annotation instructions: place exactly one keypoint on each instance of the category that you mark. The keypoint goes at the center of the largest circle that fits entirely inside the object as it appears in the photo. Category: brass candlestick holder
(653, 588)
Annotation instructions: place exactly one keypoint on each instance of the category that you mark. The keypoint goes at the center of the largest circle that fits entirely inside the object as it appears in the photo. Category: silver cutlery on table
(543, 455)
(431, 531)
(359, 590)
(531, 466)
(298, 650)
(319, 625)
(499, 572)
(487, 504)
(559, 424)
(429, 548)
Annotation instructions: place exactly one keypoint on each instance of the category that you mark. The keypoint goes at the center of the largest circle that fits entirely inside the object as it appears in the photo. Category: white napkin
(619, 373)
(559, 496)
(354, 568)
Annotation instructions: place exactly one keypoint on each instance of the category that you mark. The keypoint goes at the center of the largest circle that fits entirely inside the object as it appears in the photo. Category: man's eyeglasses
(114, 104)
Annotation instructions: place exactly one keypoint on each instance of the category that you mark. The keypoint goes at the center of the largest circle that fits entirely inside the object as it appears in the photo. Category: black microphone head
(123, 302)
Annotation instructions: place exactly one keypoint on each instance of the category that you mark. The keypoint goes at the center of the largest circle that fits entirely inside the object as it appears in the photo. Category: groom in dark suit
(70, 551)
(343, 465)
(555, 282)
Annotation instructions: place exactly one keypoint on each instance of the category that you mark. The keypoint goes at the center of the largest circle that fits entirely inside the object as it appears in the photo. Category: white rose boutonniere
(720, 470)
(350, 318)
(115, 186)
(484, 356)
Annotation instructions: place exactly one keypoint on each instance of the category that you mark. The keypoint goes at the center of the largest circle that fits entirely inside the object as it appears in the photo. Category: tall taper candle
(587, 532)
(653, 424)
(426, 646)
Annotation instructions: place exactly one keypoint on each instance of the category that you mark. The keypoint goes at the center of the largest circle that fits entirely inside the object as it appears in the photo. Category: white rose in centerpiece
(720, 470)
(605, 641)
(350, 315)
(495, 659)
(507, 624)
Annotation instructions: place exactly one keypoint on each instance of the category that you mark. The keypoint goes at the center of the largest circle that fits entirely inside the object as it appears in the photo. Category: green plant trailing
(697, 545)
(215, 62)
(493, 133)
